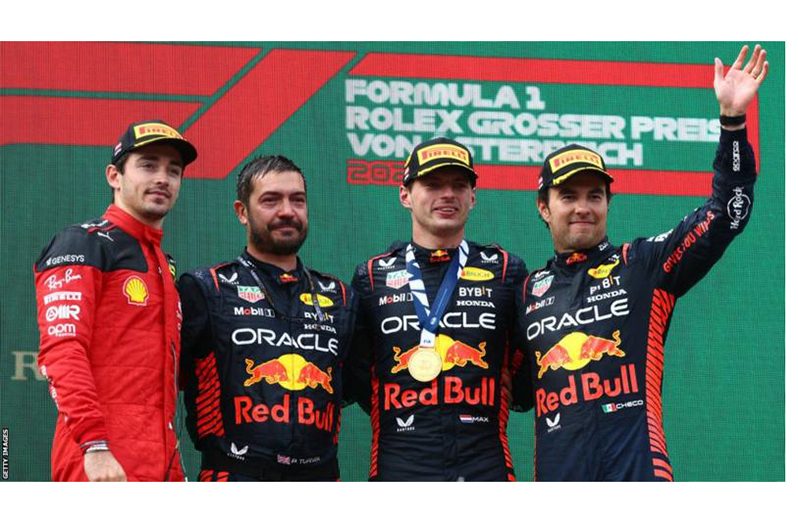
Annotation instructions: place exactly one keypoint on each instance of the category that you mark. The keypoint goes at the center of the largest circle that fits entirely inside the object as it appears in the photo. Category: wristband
(95, 446)
(732, 121)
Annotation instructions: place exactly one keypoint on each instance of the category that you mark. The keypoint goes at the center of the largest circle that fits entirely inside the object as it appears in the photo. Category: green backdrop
(347, 113)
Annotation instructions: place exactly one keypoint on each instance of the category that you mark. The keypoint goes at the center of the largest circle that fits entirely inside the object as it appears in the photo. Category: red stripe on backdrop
(79, 121)
(257, 105)
(534, 70)
(121, 67)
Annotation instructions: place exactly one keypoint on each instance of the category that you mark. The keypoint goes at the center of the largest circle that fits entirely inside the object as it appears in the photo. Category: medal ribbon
(429, 319)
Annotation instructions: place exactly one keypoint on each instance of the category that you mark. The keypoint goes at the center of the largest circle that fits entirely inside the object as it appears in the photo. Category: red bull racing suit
(262, 364)
(595, 324)
(109, 317)
(453, 427)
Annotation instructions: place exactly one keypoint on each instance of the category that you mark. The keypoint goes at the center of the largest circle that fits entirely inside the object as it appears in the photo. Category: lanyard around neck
(429, 317)
(315, 299)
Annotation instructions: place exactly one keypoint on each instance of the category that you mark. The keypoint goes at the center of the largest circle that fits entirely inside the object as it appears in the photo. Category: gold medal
(425, 364)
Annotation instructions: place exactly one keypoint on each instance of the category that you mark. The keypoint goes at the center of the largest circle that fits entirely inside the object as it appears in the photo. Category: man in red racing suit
(109, 317)
(595, 318)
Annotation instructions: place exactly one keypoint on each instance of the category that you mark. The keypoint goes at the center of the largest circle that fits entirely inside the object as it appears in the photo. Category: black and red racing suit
(263, 373)
(594, 325)
(109, 318)
(454, 427)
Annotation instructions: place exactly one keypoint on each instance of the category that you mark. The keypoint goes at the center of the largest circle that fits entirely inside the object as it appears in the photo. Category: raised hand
(739, 85)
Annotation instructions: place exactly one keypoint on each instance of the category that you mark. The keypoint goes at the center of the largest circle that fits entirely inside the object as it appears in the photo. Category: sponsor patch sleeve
(681, 257)
(68, 283)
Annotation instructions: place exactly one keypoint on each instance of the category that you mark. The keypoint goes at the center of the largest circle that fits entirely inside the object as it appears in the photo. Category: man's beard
(264, 242)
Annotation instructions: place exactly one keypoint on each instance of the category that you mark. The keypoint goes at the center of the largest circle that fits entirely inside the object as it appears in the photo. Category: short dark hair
(120, 166)
(258, 167)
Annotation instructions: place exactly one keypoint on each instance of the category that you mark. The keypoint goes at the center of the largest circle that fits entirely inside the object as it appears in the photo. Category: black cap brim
(472, 175)
(580, 170)
(187, 152)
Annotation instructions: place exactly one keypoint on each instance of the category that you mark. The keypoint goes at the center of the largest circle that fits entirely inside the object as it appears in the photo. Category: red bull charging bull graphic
(444, 389)
(573, 352)
(452, 353)
(576, 350)
(292, 372)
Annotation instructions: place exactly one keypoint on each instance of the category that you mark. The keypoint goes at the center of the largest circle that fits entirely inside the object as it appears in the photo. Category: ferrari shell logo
(136, 291)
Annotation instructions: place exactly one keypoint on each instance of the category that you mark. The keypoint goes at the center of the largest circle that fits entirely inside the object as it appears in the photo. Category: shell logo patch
(476, 274)
(602, 271)
(324, 301)
(136, 291)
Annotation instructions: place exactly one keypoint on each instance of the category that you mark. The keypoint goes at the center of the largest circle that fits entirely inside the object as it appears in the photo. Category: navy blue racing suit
(454, 427)
(594, 324)
(263, 388)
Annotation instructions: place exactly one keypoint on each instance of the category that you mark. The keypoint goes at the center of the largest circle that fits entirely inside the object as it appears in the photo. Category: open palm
(739, 85)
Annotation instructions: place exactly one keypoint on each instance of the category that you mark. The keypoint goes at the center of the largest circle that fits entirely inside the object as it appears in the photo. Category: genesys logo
(64, 259)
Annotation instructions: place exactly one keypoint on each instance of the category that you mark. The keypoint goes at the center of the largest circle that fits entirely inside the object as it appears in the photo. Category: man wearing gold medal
(432, 361)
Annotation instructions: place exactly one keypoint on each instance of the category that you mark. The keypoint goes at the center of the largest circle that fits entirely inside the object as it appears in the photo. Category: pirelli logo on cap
(569, 157)
(438, 151)
(154, 129)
